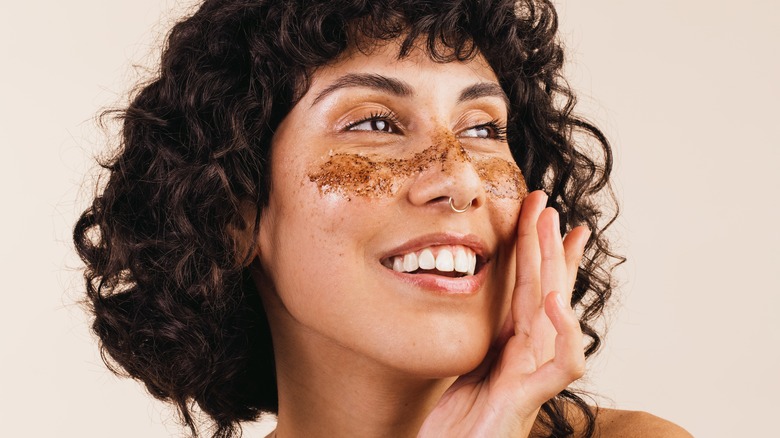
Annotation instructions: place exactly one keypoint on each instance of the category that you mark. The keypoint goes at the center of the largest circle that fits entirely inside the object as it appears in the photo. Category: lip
(440, 285)
(463, 286)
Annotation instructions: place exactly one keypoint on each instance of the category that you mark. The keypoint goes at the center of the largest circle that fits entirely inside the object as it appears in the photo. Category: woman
(322, 210)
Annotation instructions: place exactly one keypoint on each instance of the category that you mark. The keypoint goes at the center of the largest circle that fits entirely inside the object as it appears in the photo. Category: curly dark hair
(174, 306)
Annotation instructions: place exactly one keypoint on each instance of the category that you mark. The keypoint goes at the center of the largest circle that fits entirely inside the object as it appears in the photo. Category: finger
(574, 248)
(553, 273)
(506, 331)
(527, 296)
(568, 364)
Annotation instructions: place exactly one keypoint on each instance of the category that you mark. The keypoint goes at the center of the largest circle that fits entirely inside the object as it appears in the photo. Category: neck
(327, 389)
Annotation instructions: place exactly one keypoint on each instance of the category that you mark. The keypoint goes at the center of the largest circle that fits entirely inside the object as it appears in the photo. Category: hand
(538, 353)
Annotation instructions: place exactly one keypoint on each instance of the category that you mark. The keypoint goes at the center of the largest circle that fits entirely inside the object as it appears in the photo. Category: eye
(381, 122)
(478, 132)
(491, 130)
(373, 125)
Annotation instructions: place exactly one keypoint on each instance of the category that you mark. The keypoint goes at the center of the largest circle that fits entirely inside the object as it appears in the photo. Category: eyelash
(388, 116)
(497, 126)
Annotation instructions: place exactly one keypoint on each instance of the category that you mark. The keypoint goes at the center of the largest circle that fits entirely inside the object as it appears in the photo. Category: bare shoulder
(615, 423)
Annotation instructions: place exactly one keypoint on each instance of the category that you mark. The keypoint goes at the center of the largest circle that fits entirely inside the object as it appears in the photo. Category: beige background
(687, 91)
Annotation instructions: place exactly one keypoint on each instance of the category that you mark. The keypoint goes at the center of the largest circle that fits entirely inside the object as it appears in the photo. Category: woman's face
(364, 252)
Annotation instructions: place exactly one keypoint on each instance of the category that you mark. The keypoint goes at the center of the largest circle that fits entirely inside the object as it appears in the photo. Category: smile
(445, 260)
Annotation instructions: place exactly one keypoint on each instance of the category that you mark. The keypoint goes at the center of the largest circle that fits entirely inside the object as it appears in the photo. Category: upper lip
(468, 240)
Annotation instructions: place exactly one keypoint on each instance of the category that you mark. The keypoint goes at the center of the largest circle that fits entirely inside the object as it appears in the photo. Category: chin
(446, 353)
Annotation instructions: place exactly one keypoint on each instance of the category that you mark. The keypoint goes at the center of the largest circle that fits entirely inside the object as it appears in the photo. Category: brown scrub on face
(361, 175)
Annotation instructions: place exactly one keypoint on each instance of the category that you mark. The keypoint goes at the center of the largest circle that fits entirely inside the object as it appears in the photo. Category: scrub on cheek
(502, 178)
(360, 175)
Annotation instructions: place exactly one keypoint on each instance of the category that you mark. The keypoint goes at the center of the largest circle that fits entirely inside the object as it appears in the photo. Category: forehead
(415, 68)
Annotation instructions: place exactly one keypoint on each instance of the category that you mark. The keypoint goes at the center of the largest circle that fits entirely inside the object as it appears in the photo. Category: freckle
(502, 178)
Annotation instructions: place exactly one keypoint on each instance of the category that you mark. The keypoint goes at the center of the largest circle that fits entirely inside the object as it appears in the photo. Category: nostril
(462, 209)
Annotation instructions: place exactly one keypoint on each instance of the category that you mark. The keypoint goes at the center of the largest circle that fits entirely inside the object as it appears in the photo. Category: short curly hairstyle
(173, 304)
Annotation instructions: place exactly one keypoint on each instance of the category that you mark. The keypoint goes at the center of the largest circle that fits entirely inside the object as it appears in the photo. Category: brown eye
(378, 122)
(491, 130)
(373, 125)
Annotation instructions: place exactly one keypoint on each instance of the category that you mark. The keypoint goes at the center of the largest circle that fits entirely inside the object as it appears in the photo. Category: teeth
(410, 262)
(426, 259)
(444, 261)
(447, 259)
(398, 264)
(462, 260)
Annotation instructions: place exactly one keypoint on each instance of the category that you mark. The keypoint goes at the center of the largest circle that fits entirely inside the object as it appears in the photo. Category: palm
(539, 351)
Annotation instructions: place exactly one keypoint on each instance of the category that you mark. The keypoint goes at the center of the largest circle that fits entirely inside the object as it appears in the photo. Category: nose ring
(459, 210)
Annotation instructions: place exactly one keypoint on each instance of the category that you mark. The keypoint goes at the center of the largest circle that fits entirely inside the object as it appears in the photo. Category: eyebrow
(379, 82)
(483, 89)
(402, 89)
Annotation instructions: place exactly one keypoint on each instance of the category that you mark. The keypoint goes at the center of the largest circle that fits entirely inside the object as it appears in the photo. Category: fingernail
(585, 237)
(559, 299)
(556, 223)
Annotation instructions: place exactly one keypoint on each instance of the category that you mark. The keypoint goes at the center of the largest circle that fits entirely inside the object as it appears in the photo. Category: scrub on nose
(361, 175)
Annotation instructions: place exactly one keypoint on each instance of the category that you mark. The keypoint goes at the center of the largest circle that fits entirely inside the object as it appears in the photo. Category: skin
(363, 351)
(636, 424)
(374, 175)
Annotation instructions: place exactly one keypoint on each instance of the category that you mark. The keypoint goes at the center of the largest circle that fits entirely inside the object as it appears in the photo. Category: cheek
(358, 175)
(506, 188)
(504, 217)
(502, 179)
(315, 245)
(505, 206)
(303, 267)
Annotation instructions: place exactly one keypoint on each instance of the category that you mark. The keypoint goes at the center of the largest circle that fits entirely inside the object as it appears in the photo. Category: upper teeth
(443, 258)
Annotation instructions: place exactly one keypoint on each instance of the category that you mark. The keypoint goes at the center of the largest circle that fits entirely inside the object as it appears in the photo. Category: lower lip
(440, 285)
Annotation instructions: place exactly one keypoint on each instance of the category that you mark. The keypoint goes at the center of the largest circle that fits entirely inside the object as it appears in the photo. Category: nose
(449, 180)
